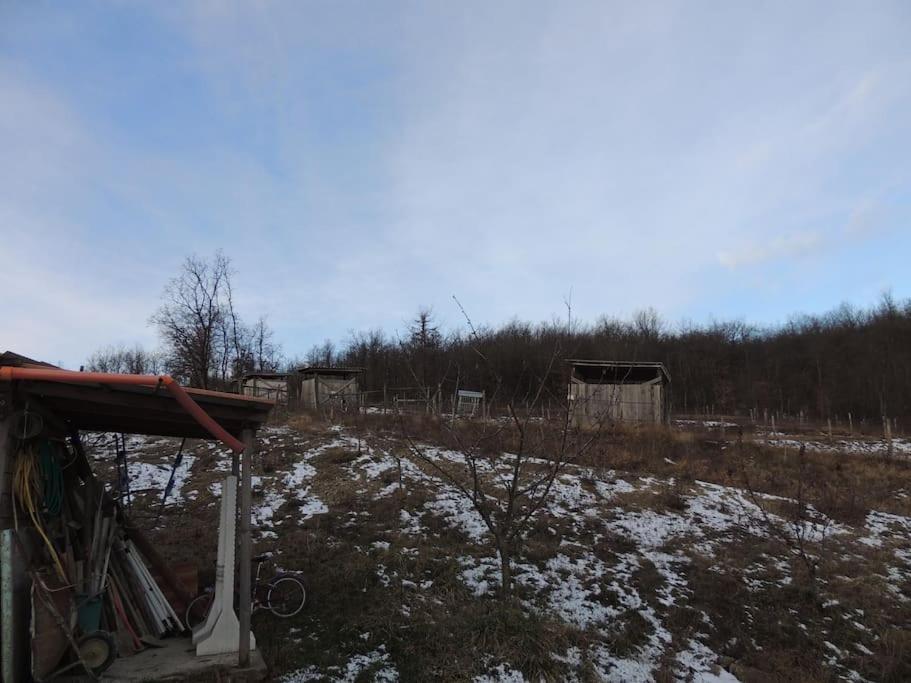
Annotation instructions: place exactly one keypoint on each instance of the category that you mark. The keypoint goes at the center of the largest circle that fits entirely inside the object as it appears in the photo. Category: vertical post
(246, 554)
(887, 434)
(235, 464)
(13, 619)
(13, 589)
(220, 633)
(6, 465)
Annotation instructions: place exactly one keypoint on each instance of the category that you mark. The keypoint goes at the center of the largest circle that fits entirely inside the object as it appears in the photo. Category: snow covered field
(644, 577)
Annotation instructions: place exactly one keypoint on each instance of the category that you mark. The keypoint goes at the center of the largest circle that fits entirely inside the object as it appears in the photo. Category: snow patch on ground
(709, 424)
(459, 513)
(377, 661)
(146, 475)
(294, 481)
(884, 526)
(900, 447)
(264, 511)
(698, 663)
(373, 466)
(501, 674)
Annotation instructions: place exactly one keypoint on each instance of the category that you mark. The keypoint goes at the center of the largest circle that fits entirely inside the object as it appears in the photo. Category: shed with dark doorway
(628, 391)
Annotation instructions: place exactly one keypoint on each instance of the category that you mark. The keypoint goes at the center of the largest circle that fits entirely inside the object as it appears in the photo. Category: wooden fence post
(887, 434)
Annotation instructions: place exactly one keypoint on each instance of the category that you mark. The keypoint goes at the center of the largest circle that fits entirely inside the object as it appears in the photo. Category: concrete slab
(177, 661)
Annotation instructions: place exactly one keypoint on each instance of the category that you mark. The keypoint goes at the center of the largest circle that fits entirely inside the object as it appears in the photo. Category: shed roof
(314, 370)
(619, 370)
(148, 410)
(15, 360)
(266, 375)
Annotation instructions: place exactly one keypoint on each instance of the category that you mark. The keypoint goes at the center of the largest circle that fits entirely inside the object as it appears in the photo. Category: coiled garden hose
(28, 483)
(52, 476)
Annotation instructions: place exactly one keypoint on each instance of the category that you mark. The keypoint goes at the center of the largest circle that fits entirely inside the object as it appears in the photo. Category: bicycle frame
(256, 587)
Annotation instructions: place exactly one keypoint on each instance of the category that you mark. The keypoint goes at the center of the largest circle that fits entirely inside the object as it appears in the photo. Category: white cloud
(798, 244)
(358, 160)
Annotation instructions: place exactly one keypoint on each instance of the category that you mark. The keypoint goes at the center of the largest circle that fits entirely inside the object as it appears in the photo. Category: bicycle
(284, 595)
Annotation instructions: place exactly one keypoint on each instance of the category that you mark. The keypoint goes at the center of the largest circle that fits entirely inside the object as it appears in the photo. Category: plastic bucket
(88, 612)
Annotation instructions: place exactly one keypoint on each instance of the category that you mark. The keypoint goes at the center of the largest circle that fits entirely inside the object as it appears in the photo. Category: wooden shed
(629, 391)
(321, 388)
(269, 385)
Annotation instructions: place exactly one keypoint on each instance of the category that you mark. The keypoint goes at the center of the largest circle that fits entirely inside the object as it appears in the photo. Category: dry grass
(432, 633)
(437, 632)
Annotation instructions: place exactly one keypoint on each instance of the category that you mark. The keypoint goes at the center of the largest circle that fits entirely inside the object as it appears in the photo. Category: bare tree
(266, 353)
(423, 344)
(191, 319)
(425, 333)
(122, 359)
(321, 354)
(508, 491)
(648, 324)
(205, 341)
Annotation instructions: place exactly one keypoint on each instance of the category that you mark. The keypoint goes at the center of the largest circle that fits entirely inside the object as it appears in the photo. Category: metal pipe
(8, 374)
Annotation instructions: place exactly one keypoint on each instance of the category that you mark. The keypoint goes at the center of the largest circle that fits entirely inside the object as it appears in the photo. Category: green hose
(52, 478)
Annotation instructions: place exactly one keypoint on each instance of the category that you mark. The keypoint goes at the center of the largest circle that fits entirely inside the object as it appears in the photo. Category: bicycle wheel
(286, 595)
(198, 610)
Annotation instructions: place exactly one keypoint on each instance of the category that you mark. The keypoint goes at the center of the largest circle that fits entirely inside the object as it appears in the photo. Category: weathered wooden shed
(629, 391)
(269, 385)
(320, 388)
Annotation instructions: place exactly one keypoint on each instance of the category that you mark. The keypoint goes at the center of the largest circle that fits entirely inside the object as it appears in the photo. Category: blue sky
(357, 160)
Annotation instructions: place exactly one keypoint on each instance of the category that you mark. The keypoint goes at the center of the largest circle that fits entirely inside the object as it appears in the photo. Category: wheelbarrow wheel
(97, 651)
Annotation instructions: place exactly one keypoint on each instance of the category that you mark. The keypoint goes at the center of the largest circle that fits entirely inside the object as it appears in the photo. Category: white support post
(221, 630)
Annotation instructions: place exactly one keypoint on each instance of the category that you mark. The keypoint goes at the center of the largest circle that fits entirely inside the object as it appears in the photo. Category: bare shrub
(801, 529)
(507, 489)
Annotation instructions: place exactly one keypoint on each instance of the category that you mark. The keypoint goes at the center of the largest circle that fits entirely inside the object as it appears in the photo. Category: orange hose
(8, 374)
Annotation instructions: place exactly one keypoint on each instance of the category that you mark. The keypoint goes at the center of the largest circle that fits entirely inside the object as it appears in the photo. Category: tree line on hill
(848, 361)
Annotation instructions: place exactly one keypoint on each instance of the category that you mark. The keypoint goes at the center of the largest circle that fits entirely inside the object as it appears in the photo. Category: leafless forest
(851, 364)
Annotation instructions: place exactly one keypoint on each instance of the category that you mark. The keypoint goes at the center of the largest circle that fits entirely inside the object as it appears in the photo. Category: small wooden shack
(321, 388)
(269, 385)
(60, 552)
(630, 391)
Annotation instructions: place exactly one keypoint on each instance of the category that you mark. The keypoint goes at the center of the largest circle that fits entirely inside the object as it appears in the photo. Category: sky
(357, 160)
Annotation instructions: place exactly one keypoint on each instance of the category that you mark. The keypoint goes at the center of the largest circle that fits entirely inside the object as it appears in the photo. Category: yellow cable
(25, 480)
